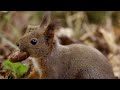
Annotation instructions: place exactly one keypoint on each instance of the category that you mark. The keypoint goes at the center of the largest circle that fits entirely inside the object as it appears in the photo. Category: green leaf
(8, 65)
(18, 68)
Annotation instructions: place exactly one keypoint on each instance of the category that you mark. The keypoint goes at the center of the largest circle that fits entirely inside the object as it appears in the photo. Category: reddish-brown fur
(76, 61)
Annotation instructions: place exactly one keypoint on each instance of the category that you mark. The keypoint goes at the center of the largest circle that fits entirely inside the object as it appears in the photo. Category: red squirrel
(56, 61)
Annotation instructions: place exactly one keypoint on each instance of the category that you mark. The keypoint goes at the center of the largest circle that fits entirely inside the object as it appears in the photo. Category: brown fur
(76, 61)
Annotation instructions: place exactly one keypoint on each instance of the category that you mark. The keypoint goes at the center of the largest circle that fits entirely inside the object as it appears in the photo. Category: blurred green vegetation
(97, 17)
(18, 68)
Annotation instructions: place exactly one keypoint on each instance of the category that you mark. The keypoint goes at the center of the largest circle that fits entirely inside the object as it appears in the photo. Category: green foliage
(116, 18)
(96, 17)
(18, 68)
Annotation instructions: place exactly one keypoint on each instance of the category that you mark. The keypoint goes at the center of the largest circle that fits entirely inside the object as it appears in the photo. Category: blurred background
(100, 29)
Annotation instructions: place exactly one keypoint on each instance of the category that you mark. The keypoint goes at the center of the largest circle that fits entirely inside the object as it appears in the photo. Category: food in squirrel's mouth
(18, 56)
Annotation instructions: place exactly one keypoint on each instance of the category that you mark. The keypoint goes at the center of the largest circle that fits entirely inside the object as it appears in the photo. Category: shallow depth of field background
(100, 29)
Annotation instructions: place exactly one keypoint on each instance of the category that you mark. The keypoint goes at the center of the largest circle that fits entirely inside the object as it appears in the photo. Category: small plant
(18, 68)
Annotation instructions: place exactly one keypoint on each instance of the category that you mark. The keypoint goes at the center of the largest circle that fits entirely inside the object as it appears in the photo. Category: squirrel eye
(33, 41)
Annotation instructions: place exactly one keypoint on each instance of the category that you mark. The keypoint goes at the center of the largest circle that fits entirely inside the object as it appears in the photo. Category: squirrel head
(38, 41)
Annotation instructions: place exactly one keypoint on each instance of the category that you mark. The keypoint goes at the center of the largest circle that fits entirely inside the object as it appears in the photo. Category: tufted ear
(46, 19)
(49, 31)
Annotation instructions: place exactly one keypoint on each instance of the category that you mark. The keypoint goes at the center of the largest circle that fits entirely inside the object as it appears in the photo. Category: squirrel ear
(51, 27)
(46, 19)
(49, 31)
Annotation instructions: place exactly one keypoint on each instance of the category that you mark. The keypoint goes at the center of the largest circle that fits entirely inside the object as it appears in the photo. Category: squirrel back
(55, 61)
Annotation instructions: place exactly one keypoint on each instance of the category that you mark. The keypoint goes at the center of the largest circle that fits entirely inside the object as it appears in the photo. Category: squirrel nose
(21, 48)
